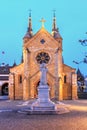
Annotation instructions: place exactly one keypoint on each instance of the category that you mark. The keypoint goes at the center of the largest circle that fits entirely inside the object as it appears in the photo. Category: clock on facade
(42, 57)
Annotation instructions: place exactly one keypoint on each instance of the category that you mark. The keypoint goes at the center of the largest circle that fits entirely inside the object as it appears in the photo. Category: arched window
(20, 79)
(64, 78)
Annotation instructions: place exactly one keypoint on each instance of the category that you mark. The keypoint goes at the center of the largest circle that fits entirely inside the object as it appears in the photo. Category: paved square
(10, 119)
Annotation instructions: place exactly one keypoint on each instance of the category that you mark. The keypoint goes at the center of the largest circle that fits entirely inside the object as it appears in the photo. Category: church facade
(42, 47)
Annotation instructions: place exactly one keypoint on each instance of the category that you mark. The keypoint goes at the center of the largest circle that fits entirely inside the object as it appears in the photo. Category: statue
(43, 69)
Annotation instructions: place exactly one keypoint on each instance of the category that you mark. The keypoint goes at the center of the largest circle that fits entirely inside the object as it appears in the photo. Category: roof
(80, 77)
(27, 35)
(5, 69)
(69, 67)
(2, 78)
(40, 32)
(57, 35)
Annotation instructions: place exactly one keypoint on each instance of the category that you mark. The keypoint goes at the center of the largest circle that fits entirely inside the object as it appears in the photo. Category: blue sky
(71, 18)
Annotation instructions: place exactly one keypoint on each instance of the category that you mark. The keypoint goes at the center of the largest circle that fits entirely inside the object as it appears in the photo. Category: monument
(43, 104)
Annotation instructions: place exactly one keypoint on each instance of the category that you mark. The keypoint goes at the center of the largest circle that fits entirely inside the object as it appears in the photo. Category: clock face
(42, 57)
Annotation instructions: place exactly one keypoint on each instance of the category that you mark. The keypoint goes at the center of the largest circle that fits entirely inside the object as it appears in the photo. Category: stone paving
(10, 119)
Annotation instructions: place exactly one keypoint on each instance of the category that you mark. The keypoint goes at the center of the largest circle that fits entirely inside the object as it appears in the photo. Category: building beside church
(42, 47)
(4, 79)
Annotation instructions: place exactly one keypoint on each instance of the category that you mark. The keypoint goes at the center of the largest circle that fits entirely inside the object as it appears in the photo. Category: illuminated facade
(42, 47)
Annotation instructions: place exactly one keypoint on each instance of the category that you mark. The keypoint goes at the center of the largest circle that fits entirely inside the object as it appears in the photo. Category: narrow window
(65, 79)
(20, 79)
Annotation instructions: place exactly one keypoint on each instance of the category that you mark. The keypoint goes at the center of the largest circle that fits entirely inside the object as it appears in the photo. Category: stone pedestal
(43, 103)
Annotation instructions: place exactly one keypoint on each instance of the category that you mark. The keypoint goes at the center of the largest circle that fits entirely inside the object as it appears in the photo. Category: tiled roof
(80, 77)
(5, 69)
(2, 78)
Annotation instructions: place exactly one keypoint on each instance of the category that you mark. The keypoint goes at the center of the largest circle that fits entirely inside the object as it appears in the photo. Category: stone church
(42, 47)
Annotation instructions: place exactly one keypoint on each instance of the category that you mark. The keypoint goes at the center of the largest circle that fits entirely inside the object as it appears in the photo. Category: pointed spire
(30, 24)
(80, 77)
(22, 58)
(29, 33)
(55, 32)
(14, 64)
(54, 21)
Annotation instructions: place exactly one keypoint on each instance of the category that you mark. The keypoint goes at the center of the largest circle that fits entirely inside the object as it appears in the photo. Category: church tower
(29, 32)
(58, 59)
(39, 48)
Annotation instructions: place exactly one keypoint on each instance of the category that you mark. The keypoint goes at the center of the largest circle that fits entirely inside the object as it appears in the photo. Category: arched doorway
(36, 90)
(5, 89)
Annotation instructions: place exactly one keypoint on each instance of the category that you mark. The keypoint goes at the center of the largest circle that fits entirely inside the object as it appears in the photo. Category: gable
(42, 39)
(68, 68)
(17, 69)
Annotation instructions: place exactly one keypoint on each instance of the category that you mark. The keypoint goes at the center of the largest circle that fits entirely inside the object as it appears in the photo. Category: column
(56, 75)
(26, 81)
(12, 86)
(74, 86)
(60, 71)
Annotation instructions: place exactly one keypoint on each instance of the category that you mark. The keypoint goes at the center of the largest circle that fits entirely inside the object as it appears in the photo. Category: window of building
(20, 79)
(65, 79)
(42, 41)
(42, 57)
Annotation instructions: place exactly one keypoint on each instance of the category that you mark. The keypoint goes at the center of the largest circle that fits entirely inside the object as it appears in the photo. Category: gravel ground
(10, 119)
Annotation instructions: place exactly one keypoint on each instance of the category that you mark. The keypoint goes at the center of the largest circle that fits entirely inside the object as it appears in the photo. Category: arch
(36, 84)
(4, 89)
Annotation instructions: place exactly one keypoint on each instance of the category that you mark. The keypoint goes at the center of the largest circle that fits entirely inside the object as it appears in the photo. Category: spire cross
(42, 21)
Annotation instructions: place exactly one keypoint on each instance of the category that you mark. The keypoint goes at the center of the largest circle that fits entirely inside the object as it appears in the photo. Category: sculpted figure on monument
(43, 69)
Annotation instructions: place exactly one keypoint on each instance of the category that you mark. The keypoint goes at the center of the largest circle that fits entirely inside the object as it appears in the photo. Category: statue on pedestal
(43, 69)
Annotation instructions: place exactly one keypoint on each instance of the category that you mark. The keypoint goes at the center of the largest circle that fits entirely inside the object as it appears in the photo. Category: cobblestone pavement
(10, 119)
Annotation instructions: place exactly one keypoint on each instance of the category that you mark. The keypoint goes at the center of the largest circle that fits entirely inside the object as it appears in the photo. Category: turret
(55, 32)
(14, 64)
(29, 32)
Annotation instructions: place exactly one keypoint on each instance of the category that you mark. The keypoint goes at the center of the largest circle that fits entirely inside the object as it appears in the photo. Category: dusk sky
(71, 18)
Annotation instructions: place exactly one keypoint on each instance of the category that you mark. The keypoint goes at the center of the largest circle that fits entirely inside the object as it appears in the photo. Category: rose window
(42, 57)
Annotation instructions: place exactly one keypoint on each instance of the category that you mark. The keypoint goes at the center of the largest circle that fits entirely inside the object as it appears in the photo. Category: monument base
(29, 112)
(43, 103)
(43, 106)
(58, 109)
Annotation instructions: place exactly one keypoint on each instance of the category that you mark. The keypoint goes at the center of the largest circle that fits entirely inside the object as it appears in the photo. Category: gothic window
(20, 79)
(42, 57)
(65, 79)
